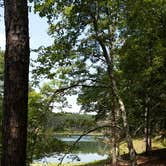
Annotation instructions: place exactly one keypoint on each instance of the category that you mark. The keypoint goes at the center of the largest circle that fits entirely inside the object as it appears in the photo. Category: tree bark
(147, 127)
(15, 105)
(109, 60)
(113, 135)
(114, 147)
(108, 55)
(125, 122)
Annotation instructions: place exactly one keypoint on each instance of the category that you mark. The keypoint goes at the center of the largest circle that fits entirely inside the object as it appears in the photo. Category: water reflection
(75, 137)
(73, 158)
(88, 149)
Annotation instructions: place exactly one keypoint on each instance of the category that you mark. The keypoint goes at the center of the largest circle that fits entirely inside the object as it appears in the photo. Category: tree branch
(106, 125)
(79, 138)
(61, 90)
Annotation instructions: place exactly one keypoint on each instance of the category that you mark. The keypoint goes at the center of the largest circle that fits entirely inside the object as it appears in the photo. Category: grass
(139, 145)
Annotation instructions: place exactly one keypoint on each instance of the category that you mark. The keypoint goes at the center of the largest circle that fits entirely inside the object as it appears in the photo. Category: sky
(38, 28)
(37, 31)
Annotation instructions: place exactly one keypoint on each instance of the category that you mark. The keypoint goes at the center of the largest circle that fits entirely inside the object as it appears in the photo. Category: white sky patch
(2, 41)
(73, 102)
(73, 106)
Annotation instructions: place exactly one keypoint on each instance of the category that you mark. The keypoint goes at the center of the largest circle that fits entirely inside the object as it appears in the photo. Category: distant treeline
(70, 121)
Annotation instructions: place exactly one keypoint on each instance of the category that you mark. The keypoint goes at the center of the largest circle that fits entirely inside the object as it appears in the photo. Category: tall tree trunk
(108, 55)
(128, 136)
(113, 134)
(125, 122)
(147, 127)
(15, 103)
(109, 60)
(114, 147)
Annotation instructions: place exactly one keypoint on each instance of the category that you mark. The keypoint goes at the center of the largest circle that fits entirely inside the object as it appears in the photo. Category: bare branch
(79, 138)
(137, 130)
(61, 90)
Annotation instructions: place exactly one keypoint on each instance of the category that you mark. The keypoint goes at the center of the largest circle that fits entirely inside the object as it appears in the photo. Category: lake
(88, 149)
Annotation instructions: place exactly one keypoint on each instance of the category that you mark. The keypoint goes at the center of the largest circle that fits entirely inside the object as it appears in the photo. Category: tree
(1, 80)
(41, 138)
(99, 99)
(86, 39)
(1, 95)
(15, 104)
(36, 125)
(143, 61)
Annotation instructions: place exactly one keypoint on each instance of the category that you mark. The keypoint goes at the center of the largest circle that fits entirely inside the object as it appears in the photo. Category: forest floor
(154, 158)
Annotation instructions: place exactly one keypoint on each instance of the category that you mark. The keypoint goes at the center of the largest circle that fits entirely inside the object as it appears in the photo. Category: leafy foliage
(82, 31)
(70, 122)
(76, 57)
(142, 61)
(41, 139)
(133, 32)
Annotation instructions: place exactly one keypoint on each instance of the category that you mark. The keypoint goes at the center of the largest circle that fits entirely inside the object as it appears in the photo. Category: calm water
(88, 149)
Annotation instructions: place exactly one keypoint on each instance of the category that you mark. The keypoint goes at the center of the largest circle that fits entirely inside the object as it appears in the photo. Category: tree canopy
(111, 54)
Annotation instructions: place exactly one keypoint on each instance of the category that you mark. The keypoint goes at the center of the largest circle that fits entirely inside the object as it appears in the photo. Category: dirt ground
(154, 158)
